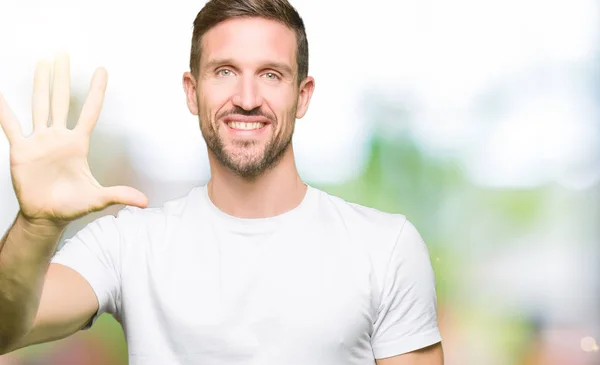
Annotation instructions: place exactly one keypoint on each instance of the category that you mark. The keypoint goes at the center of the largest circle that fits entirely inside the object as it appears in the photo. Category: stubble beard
(248, 164)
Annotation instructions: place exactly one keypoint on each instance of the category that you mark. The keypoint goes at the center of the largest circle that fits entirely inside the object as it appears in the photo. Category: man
(256, 267)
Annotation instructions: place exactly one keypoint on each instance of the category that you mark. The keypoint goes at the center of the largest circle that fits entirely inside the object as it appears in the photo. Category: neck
(274, 192)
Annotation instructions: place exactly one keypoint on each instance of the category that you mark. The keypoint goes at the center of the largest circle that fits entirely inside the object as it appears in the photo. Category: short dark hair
(217, 11)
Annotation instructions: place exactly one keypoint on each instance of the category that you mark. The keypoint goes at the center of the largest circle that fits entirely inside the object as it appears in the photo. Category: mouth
(241, 123)
(243, 126)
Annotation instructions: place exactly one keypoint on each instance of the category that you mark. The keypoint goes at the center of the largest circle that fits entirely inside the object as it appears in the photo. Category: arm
(40, 301)
(406, 330)
(25, 253)
(57, 305)
(59, 315)
(431, 355)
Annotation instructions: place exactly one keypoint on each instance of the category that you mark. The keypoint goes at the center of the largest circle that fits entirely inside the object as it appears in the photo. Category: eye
(224, 72)
(271, 76)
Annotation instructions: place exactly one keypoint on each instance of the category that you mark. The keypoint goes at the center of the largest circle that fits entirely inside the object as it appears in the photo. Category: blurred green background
(475, 236)
(477, 120)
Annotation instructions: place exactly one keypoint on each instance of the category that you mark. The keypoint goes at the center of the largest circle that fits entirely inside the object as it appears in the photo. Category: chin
(242, 159)
(243, 154)
(247, 170)
(246, 163)
(248, 158)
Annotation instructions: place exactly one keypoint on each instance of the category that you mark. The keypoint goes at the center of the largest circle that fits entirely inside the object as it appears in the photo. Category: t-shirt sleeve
(407, 314)
(94, 252)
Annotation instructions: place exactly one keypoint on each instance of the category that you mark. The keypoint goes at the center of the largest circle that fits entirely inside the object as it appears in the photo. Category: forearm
(25, 253)
(430, 355)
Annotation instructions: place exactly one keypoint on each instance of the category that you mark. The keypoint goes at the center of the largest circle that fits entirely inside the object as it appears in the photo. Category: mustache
(256, 112)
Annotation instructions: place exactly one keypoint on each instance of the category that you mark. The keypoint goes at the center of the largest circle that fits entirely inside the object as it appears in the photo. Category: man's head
(248, 81)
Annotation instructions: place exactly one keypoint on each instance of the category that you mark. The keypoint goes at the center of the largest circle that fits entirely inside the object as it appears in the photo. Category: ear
(306, 91)
(189, 86)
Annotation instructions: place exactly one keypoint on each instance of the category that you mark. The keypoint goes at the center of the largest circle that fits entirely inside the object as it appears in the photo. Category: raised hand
(49, 168)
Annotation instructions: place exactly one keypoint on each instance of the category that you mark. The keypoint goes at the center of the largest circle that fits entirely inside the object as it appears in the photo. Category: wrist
(43, 228)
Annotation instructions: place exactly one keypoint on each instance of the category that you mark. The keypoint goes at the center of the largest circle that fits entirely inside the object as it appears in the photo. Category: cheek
(285, 108)
(214, 96)
(281, 101)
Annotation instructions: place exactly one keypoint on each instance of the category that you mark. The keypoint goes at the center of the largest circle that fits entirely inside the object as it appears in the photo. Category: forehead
(249, 40)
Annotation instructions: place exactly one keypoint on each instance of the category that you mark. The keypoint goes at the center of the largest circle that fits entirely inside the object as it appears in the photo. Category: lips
(246, 123)
(245, 126)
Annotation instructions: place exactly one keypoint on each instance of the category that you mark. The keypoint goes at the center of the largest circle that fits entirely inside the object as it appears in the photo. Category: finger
(61, 91)
(41, 95)
(124, 195)
(93, 104)
(9, 123)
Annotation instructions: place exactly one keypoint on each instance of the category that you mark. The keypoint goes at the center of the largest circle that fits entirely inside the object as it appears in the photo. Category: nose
(247, 95)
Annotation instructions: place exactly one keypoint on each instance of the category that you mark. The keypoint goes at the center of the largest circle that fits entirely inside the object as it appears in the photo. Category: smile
(245, 126)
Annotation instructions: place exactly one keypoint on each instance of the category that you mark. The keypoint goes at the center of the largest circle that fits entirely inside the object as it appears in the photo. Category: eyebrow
(280, 66)
(227, 61)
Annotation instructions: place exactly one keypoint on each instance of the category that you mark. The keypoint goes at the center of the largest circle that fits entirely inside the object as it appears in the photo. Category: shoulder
(379, 233)
(360, 219)
(389, 241)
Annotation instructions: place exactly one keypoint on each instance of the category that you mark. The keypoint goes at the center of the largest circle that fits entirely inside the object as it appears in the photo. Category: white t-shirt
(327, 283)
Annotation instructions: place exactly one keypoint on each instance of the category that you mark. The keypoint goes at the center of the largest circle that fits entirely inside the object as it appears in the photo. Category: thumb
(124, 195)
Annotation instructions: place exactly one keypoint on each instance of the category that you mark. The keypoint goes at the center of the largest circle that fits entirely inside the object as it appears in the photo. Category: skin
(431, 355)
(248, 72)
(53, 184)
(248, 68)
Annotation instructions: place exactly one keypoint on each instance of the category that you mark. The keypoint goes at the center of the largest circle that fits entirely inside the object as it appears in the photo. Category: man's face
(247, 93)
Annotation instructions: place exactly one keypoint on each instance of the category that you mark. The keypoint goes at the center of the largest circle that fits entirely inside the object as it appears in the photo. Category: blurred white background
(507, 90)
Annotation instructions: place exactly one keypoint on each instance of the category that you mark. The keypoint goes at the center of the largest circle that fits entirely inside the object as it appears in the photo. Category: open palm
(49, 168)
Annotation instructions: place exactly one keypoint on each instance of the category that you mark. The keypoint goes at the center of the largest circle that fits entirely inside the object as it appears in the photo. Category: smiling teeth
(245, 126)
